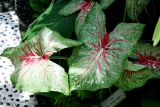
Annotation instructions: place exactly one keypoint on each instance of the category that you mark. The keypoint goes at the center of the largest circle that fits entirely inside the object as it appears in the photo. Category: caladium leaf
(99, 62)
(76, 5)
(135, 7)
(94, 23)
(84, 5)
(106, 3)
(130, 79)
(81, 18)
(53, 20)
(147, 55)
(71, 7)
(133, 67)
(34, 71)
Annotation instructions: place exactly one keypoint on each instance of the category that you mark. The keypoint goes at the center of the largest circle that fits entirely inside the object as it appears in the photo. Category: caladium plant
(99, 62)
(34, 71)
(134, 76)
(99, 59)
(147, 55)
(145, 65)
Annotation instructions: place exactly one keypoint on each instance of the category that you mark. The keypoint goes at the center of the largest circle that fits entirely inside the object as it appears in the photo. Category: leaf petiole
(58, 57)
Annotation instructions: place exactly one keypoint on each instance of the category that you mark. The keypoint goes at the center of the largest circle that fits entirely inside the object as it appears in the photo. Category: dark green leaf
(53, 20)
(47, 2)
(135, 7)
(150, 102)
(37, 6)
(106, 3)
(131, 79)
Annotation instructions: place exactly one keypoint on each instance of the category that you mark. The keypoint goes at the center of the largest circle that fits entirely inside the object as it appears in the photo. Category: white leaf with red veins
(34, 71)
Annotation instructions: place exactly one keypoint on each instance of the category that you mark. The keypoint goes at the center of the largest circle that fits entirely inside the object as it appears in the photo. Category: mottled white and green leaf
(71, 7)
(99, 62)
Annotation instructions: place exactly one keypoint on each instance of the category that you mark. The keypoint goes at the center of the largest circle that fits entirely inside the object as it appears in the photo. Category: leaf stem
(58, 57)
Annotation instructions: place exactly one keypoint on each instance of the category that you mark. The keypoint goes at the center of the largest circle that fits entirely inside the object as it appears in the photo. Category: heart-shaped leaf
(135, 7)
(130, 79)
(106, 3)
(99, 62)
(34, 71)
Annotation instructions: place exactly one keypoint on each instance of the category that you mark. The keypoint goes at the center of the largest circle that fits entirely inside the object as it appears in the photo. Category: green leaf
(147, 55)
(34, 71)
(81, 18)
(74, 6)
(37, 6)
(131, 79)
(135, 7)
(156, 35)
(99, 62)
(46, 2)
(53, 20)
(150, 102)
(133, 67)
(40, 76)
(106, 3)
(71, 7)
(94, 23)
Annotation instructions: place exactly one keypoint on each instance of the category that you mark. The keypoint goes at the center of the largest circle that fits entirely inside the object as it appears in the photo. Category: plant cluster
(94, 58)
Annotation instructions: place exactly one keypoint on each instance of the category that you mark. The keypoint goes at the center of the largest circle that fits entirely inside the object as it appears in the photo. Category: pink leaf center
(148, 61)
(86, 5)
(104, 41)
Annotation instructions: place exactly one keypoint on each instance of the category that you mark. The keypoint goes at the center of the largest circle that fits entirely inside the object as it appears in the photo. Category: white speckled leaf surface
(10, 37)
